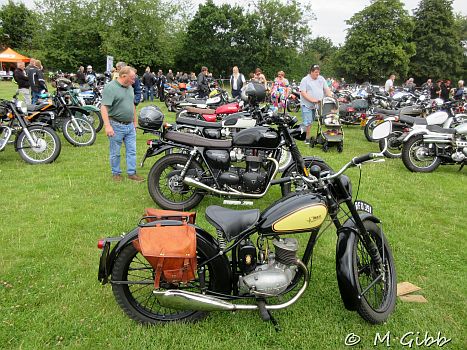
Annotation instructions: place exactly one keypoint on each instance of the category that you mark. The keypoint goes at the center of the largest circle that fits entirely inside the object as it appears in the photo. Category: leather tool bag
(170, 249)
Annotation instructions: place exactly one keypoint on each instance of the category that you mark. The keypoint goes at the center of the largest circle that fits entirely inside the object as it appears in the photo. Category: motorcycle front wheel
(165, 183)
(299, 185)
(78, 132)
(417, 157)
(394, 146)
(46, 149)
(377, 290)
(133, 286)
(293, 106)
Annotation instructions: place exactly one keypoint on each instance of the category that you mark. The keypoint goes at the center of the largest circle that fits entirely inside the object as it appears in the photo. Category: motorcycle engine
(459, 156)
(273, 277)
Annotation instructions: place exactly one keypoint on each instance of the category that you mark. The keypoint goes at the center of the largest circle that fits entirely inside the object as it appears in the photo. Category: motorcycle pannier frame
(169, 248)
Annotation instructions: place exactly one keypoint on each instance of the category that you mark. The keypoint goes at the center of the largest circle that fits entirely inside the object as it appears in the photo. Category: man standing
(23, 82)
(119, 115)
(80, 77)
(236, 82)
(389, 83)
(160, 82)
(203, 85)
(313, 87)
(148, 81)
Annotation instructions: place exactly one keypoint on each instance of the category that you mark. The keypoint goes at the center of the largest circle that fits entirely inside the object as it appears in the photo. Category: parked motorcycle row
(32, 129)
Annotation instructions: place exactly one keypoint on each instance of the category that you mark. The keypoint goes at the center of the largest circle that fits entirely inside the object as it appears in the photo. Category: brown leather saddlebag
(170, 249)
(152, 214)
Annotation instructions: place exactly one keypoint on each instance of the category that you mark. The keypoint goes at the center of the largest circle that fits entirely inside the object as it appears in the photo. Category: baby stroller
(330, 132)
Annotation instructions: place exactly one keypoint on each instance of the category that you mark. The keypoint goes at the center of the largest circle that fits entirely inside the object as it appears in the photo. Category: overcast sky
(330, 14)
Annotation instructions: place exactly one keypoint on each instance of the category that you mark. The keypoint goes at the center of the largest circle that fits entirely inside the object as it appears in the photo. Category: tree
(321, 51)
(18, 26)
(439, 48)
(377, 43)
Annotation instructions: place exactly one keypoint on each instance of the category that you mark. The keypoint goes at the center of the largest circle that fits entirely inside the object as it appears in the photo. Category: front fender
(81, 110)
(346, 278)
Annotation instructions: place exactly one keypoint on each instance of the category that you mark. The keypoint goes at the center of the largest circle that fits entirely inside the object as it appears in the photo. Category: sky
(330, 14)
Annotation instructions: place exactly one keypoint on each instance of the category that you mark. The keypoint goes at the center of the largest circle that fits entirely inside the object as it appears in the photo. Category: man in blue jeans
(313, 87)
(119, 115)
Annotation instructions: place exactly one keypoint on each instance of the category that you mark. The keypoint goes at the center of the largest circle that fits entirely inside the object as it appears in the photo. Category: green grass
(53, 215)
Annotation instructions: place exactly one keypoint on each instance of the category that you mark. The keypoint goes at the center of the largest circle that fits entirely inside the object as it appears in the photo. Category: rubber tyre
(340, 147)
(376, 311)
(285, 159)
(289, 187)
(408, 150)
(95, 118)
(391, 152)
(128, 300)
(293, 106)
(45, 131)
(72, 138)
(154, 180)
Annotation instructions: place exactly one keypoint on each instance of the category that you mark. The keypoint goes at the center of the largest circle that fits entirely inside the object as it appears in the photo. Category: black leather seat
(197, 122)
(231, 222)
(195, 140)
(412, 120)
(439, 129)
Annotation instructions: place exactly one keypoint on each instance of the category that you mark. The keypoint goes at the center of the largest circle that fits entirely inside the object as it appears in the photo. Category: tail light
(101, 243)
(363, 116)
(406, 129)
(149, 142)
(167, 125)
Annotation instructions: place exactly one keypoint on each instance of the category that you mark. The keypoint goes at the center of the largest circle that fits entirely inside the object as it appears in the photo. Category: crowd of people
(30, 80)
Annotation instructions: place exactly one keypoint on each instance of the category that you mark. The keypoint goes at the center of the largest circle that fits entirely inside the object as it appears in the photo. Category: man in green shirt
(119, 115)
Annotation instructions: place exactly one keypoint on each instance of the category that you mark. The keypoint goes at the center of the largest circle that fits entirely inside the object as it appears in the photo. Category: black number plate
(363, 206)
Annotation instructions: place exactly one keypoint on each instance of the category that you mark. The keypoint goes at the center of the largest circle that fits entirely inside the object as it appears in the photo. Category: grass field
(53, 215)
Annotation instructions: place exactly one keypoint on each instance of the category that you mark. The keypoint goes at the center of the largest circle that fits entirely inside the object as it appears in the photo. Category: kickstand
(266, 314)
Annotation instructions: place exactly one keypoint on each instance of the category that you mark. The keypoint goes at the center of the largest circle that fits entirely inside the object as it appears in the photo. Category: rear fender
(346, 279)
(414, 133)
(155, 149)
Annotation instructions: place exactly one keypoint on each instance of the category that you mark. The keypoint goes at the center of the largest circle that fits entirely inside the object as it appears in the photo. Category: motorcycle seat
(200, 110)
(231, 222)
(37, 107)
(440, 129)
(386, 111)
(196, 101)
(412, 120)
(197, 122)
(195, 140)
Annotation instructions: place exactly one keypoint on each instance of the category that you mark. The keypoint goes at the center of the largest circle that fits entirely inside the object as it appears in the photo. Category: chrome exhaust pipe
(235, 194)
(183, 300)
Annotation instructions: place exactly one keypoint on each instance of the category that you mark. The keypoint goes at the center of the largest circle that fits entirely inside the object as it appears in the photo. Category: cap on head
(314, 67)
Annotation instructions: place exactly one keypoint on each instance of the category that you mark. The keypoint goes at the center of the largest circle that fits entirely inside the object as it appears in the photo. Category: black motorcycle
(267, 275)
(241, 167)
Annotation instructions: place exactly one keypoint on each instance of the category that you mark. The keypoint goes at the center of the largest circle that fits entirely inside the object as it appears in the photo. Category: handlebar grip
(361, 159)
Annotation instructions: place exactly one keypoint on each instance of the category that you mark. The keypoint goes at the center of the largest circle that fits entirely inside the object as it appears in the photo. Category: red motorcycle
(211, 115)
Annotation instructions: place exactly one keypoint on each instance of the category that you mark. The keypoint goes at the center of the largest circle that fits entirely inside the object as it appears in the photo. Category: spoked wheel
(45, 149)
(93, 117)
(285, 159)
(377, 288)
(133, 286)
(299, 185)
(293, 105)
(394, 146)
(79, 132)
(166, 186)
(418, 157)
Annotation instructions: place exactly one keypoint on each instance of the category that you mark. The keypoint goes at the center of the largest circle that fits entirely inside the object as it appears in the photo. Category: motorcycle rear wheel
(48, 145)
(137, 300)
(78, 131)
(414, 158)
(94, 118)
(379, 301)
(165, 186)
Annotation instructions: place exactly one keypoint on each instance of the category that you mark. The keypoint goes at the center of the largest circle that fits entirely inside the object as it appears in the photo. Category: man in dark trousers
(160, 82)
(23, 82)
(203, 85)
(36, 80)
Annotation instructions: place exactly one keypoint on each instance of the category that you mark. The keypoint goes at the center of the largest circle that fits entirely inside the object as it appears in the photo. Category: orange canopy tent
(10, 55)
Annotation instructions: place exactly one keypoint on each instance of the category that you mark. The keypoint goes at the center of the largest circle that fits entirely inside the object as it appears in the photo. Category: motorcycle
(93, 115)
(217, 97)
(266, 276)
(35, 142)
(208, 114)
(179, 181)
(293, 101)
(424, 149)
(55, 111)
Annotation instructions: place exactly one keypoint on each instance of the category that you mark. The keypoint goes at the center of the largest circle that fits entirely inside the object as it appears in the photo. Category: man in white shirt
(389, 83)
(313, 87)
(237, 80)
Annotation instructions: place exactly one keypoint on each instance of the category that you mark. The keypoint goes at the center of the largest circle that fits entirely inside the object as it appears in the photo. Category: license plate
(363, 206)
